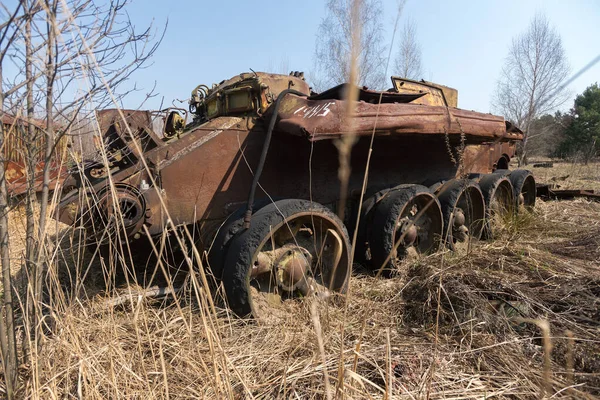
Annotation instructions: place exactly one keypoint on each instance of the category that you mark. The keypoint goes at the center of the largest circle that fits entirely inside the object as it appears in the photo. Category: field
(568, 175)
(517, 317)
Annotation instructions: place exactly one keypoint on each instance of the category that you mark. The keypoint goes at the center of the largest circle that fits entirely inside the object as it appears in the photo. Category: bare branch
(334, 50)
(408, 57)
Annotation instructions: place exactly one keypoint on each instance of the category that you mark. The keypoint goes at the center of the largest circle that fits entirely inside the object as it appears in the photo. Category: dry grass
(453, 325)
(569, 175)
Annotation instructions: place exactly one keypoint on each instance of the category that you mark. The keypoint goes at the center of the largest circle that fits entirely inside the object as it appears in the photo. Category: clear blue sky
(463, 42)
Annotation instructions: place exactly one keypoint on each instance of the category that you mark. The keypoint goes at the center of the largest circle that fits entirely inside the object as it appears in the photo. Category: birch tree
(334, 50)
(530, 83)
(408, 62)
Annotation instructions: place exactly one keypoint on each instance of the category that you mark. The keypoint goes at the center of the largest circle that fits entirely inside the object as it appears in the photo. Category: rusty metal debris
(258, 137)
(14, 155)
(552, 192)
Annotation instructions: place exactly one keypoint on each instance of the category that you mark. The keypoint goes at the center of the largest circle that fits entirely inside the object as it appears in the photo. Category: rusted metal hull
(16, 178)
(207, 172)
(326, 119)
(206, 175)
(15, 154)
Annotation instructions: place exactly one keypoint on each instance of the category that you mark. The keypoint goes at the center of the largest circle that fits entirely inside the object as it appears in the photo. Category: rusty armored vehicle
(253, 167)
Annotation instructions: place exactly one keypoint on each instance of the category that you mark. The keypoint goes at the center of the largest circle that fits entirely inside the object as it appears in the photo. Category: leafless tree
(56, 48)
(334, 50)
(531, 80)
(408, 57)
(282, 68)
(8, 340)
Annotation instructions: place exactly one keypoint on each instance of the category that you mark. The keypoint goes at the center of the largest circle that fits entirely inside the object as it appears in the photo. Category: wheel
(293, 249)
(362, 252)
(524, 188)
(116, 213)
(499, 199)
(463, 208)
(220, 244)
(523, 184)
(408, 217)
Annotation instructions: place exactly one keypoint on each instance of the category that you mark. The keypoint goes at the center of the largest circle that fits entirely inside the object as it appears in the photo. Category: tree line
(573, 135)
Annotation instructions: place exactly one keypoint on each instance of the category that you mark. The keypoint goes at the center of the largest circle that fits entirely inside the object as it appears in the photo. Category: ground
(516, 317)
(568, 175)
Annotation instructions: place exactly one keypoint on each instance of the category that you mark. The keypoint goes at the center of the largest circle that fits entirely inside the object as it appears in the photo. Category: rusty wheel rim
(419, 227)
(304, 256)
(468, 216)
(526, 198)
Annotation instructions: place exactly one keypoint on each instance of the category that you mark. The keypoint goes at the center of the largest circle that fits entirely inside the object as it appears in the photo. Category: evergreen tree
(582, 136)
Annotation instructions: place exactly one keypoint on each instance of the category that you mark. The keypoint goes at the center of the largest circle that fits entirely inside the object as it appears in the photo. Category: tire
(523, 187)
(220, 244)
(467, 196)
(244, 248)
(362, 253)
(390, 211)
(499, 197)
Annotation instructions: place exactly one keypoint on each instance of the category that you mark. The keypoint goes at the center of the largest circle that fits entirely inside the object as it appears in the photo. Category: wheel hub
(408, 231)
(459, 230)
(293, 269)
(291, 265)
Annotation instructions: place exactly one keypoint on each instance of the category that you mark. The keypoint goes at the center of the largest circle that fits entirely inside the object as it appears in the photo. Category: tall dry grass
(456, 325)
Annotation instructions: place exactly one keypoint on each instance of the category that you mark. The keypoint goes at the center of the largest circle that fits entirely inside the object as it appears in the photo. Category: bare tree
(530, 83)
(8, 340)
(408, 57)
(334, 51)
(56, 48)
(282, 68)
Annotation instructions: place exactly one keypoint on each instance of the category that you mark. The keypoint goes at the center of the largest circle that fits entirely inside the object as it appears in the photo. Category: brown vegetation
(569, 175)
(466, 324)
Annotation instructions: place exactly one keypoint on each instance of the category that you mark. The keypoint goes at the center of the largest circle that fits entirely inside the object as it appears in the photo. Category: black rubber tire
(362, 251)
(449, 195)
(490, 184)
(523, 183)
(232, 225)
(242, 249)
(386, 215)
